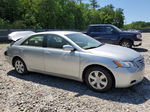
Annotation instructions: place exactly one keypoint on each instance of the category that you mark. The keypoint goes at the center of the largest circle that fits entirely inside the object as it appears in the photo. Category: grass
(2, 43)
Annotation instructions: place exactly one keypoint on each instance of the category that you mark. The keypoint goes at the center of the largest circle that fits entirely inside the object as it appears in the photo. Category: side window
(55, 41)
(108, 29)
(97, 29)
(34, 41)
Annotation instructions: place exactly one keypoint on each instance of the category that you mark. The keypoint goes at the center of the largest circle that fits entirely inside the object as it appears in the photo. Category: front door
(98, 33)
(104, 34)
(59, 61)
(110, 35)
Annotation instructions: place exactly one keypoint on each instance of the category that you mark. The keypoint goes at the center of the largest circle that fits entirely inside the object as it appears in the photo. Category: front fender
(86, 60)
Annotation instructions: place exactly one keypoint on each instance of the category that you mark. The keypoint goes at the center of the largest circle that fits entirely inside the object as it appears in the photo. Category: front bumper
(137, 43)
(126, 77)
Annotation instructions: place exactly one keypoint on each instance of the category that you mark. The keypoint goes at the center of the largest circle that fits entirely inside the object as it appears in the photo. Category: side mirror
(113, 31)
(68, 48)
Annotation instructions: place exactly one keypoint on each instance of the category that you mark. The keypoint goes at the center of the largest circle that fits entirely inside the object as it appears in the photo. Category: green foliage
(94, 4)
(10, 10)
(56, 14)
(138, 25)
(119, 18)
(18, 24)
(4, 23)
(107, 14)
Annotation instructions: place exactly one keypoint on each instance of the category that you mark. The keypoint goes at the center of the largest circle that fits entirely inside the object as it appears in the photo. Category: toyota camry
(76, 56)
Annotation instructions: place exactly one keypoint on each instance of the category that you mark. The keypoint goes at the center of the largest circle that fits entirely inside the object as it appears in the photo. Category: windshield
(117, 28)
(84, 41)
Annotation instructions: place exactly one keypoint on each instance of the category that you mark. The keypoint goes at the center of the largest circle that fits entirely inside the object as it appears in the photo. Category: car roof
(56, 32)
(100, 25)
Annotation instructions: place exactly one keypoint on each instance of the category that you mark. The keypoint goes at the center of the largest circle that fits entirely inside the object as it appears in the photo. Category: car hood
(129, 32)
(115, 52)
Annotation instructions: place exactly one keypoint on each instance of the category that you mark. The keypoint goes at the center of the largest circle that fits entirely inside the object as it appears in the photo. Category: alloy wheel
(126, 43)
(97, 80)
(19, 66)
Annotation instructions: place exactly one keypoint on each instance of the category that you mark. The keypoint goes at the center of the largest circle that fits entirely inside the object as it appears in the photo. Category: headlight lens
(124, 64)
(139, 36)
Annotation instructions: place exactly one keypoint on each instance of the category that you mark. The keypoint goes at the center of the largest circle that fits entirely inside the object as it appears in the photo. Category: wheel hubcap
(97, 80)
(125, 44)
(19, 66)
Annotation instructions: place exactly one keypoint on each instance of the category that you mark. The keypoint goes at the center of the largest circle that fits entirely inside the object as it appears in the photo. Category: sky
(134, 10)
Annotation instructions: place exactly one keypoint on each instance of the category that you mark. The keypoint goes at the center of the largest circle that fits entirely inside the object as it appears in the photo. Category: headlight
(139, 36)
(124, 64)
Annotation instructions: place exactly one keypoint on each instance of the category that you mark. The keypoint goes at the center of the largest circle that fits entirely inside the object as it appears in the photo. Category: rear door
(33, 52)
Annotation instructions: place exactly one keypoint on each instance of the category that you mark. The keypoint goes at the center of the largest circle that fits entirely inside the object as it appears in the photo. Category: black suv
(107, 33)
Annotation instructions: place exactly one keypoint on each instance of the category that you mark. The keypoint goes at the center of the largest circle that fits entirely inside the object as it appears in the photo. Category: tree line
(57, 14)
(138, 25)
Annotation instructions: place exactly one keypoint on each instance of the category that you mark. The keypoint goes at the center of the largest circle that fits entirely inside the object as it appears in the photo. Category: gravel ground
(41, 93)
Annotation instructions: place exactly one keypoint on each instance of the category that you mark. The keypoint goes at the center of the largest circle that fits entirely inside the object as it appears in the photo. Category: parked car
(79, 57)
(133, 30)
(106, 33)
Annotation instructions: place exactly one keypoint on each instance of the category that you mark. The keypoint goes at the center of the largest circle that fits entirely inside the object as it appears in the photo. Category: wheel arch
(96, 65)
(14, 58)
(125, 39)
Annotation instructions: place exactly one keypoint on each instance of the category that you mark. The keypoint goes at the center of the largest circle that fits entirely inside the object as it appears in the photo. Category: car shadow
(134, 95)
(140, 49)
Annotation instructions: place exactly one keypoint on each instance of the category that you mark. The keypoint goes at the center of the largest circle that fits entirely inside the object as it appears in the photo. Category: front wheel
(20, 66)
(98, 79)
(126, 43)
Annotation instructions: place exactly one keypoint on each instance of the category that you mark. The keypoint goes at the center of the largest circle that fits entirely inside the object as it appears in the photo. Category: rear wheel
(98, 79)
(126, 43)
(20, 66)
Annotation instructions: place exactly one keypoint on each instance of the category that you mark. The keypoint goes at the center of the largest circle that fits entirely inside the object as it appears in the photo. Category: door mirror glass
(68, 48)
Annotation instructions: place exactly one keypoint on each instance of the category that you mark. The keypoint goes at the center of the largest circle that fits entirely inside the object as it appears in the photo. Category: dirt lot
(41, 93)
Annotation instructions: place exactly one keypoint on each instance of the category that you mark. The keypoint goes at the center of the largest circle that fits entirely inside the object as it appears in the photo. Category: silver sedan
(77, 56)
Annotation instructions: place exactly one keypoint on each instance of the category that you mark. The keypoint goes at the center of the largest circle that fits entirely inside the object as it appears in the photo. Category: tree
(94, 4)
(119, 18)
(30, 13)
(107, 14)
(77, 1)
(10, 10)
(4, 23)
(56, 14)
(80, 1)
(138, 25)
(48, 11)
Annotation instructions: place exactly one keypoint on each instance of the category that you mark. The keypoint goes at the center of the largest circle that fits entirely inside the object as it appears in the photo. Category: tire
(126, 43)
(20, 66)
(98, 79)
